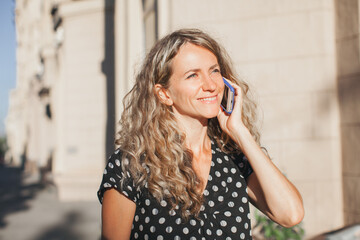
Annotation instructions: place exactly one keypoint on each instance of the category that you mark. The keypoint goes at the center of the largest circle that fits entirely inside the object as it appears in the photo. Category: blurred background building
(76, 60)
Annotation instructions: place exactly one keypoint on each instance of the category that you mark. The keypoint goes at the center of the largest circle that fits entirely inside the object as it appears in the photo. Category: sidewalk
(30, 210)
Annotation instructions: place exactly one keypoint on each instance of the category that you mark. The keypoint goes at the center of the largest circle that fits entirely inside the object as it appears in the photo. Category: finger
(237, 88)
(222, 113)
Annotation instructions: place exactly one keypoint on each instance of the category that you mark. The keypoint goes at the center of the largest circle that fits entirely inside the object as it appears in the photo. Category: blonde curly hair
(149, 136)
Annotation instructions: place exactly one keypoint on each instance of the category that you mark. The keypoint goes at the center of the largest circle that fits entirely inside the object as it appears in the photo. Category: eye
(191, 76)
(215, 71)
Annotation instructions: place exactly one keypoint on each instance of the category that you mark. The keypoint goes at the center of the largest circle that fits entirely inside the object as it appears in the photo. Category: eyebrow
(198, 69)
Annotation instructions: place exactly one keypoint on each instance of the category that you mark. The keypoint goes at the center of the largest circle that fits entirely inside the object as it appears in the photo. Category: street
(30, 210)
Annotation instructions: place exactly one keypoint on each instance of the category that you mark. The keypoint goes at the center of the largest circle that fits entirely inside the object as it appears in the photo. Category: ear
(163, 95)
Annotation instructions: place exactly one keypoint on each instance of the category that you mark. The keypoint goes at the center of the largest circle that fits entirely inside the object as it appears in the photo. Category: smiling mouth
(208, 99)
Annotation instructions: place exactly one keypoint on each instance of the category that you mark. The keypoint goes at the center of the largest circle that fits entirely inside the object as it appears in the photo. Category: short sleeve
(244, 166)
(115, 177)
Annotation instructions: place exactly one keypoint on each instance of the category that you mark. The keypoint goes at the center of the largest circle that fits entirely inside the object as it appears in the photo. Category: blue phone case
(230, 103)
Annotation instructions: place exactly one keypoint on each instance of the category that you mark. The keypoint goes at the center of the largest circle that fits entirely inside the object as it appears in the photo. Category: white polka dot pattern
(223, 215)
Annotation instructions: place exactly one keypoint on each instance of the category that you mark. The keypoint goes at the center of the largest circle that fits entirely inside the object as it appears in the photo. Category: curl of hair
(149, 135)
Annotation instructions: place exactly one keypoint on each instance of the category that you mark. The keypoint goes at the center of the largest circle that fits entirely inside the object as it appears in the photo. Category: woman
(185, 169)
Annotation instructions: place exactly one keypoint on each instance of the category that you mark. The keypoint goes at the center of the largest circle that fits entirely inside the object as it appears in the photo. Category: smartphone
(227, 102)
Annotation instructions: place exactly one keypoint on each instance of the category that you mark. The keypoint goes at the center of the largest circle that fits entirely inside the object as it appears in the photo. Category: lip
(209, 99)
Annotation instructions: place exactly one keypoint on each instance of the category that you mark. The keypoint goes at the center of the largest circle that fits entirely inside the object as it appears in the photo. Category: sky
(7, 57)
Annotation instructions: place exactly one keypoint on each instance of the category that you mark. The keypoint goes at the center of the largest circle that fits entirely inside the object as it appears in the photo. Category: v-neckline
(212, 163)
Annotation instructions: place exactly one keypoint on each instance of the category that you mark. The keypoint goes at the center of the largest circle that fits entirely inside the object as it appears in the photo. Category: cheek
(180, 93)
(185, 89)
(221, 88)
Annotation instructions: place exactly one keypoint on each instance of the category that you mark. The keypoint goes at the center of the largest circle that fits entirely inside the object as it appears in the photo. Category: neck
(197, 139)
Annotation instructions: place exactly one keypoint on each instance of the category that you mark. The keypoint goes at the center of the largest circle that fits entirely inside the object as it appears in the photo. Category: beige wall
(286, 51)
(348, 66)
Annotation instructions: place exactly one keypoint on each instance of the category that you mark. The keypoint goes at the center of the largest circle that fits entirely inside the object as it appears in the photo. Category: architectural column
(80, 101)
(130, 47)
(348, 66)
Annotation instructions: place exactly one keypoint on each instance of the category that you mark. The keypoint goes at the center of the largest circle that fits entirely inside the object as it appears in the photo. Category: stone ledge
(82, 187)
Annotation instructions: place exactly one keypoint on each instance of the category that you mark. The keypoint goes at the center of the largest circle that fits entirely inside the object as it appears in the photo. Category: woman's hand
(232, 123)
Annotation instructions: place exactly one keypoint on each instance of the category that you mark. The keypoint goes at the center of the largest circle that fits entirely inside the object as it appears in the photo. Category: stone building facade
(76, 60)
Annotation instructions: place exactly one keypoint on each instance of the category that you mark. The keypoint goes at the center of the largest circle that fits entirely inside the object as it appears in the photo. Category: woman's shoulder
(118, 158)
(117, 176)
(115, 158)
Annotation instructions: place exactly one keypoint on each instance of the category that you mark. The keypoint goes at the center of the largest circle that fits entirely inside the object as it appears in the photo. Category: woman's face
(196, 85)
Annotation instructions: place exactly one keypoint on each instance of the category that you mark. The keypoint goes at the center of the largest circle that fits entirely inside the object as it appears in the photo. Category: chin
(211, 114)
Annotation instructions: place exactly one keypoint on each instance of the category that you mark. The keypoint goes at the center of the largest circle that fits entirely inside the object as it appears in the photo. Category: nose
(208, 84)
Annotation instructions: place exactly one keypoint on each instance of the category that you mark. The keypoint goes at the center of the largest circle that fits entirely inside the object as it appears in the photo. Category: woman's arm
(117, 216)
(268, 189)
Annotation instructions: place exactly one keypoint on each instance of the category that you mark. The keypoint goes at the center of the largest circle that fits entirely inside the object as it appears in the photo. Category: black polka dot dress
(224, 214)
